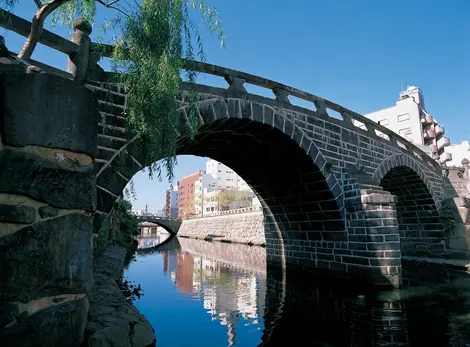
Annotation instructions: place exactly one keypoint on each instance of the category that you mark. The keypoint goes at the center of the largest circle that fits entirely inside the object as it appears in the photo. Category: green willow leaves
(154, 37)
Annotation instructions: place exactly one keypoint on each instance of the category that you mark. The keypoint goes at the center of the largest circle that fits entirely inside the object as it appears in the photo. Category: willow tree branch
(36, 27)
(109, 5)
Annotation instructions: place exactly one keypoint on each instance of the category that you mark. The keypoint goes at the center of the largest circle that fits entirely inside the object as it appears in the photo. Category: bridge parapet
(235, 79)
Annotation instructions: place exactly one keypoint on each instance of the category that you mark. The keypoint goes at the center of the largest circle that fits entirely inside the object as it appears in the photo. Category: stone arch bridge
(339, 191)
(171, 225)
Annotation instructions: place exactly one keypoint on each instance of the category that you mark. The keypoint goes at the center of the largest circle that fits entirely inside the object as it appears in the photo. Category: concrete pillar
(47, 197)
(78, 62)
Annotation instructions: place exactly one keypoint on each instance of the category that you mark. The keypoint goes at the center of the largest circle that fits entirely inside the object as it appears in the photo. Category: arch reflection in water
(151, 235)
(199, 293)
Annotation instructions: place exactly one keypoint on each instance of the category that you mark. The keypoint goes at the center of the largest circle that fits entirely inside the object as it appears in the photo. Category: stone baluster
(281, 95)
(79, 61)
(465, 163)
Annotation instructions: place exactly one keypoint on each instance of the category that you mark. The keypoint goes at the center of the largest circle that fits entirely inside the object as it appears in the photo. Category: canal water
(203, 294)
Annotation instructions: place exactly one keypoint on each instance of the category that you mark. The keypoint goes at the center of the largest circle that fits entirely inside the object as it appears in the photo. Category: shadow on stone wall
(455, 212)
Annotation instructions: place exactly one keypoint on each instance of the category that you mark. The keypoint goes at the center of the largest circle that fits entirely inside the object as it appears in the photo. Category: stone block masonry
(246, 228)
(48, 129)
(112, 319)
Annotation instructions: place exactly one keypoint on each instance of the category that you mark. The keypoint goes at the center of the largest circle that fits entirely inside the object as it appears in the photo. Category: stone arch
(170, 225)
(301, 191)
(404, 160)
(419, 225)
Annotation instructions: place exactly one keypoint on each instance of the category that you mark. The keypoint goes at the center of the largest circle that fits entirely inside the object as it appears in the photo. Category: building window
(403, 117)
(405, 131)
(383, 122)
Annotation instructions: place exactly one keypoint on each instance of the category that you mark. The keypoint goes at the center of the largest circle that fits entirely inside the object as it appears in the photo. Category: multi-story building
(204, 185)
(225, 177)
(459, 152)
(410, 119)
(223, 200)
(186, 198)
(221, 189)
(171, 204)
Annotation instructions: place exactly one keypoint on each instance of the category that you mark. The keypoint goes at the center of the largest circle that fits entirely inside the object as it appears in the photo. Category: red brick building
(186, 194)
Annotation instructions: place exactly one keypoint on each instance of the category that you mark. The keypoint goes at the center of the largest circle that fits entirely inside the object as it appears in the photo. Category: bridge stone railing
(84, 56)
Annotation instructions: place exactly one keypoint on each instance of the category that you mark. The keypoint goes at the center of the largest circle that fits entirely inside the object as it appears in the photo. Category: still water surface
(205, 294)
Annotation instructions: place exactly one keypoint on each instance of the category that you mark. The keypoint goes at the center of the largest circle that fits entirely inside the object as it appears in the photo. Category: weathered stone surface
(28, 174)
(17, 214)
(58, 326)
(49, 111)
(48, 258)
(112, 320)
(48, 211)
(247, 228)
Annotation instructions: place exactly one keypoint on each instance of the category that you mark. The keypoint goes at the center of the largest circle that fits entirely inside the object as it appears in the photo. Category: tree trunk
(36, 27)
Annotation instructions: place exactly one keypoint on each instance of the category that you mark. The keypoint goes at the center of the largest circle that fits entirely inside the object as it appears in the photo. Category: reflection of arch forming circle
(397, 160)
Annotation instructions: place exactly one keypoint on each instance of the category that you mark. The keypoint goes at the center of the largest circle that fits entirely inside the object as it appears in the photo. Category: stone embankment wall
(244, 257)
(112, 320)
(48, 128)
(246, 228)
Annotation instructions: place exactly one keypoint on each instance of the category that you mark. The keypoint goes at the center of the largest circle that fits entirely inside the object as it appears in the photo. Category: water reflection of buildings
(229, 295)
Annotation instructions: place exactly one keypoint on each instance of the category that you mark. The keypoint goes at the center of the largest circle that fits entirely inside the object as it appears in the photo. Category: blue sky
(356, 53)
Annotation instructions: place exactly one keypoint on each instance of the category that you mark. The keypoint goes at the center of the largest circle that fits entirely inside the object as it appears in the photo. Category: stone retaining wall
(112, 320)
(48, 129)
(246, 228)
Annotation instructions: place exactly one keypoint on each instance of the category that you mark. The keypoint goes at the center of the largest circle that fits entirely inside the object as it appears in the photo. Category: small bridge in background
(172, 225)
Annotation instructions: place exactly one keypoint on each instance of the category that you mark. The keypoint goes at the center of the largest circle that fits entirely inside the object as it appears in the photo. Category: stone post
(466, 174)
(47, 197)
(78, 62)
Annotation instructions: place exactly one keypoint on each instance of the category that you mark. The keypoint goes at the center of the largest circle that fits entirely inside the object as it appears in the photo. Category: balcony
(429, 134)
(443, 142)
(440, 130)
(445, 157)
(427, 120)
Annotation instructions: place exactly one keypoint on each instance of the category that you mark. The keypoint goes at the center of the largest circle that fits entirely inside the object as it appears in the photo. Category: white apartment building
(410, 119)
(242, 185)
(225, 177)
(212, 203)
(220, 178)
(459, 152)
